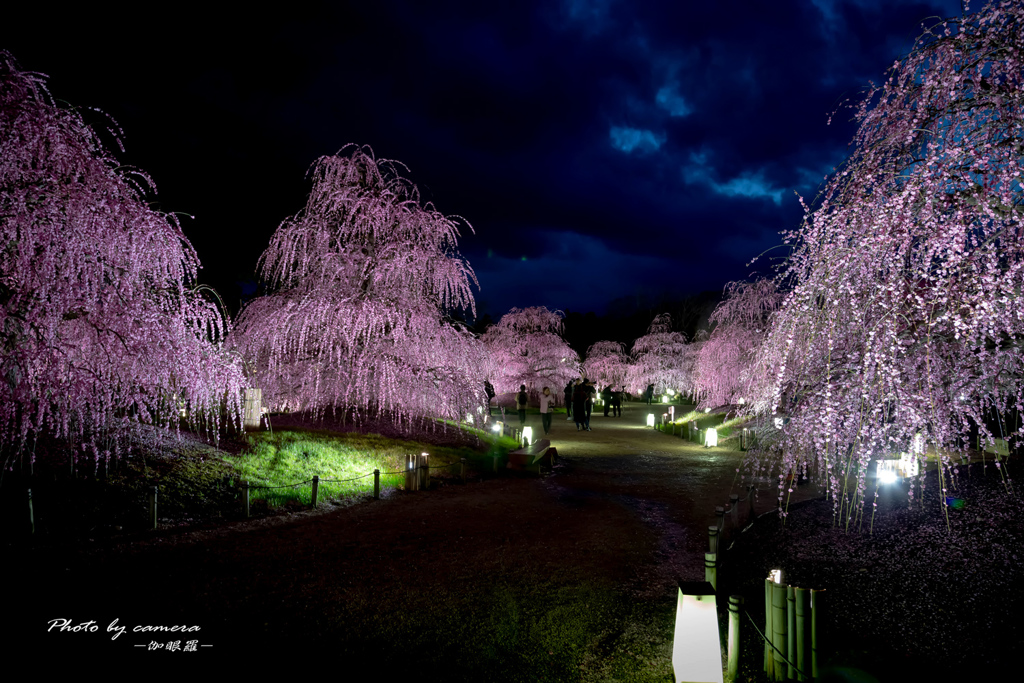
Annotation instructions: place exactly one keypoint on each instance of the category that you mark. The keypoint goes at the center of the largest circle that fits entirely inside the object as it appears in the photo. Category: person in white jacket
(546, 399)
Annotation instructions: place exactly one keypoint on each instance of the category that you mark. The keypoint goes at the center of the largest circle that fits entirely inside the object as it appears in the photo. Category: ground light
(650, 419)
(664, 398)
(498, 426)
(527, 436)
(696, 646)
(711, 440)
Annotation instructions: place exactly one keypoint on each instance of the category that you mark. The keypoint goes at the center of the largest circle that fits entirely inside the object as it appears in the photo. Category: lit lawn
(286, 460)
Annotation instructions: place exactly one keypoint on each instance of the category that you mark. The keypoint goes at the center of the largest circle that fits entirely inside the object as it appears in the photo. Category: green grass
(287, 460)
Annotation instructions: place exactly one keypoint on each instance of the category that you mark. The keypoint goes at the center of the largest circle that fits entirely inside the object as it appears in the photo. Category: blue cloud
(669, 99)
(749, 185)
(628, 139)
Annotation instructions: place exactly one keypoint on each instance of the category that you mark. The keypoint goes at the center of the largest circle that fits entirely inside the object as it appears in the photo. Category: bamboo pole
(720, 517)
(735, 604)
(790, 632)
(779, 630)
(817, 627)
(769, 658)
(713, 538)
(711, 569)
(734, 509)
(803, 608)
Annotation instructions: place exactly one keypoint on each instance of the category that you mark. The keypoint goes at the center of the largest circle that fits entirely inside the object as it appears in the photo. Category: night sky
(600, 149)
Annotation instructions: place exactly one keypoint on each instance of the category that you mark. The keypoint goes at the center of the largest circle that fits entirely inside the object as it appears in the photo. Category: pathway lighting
(775, 576)
(707, 410)
(498, 426)
(711, 440)
(672, 412)
(664, 398)
(696, 646)
(650, 419)
(527, 436)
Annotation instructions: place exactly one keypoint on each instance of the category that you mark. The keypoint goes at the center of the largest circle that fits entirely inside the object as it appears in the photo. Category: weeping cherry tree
(526, 347)
(606, 363)
(722, 375)
(662, 358)
(105, 335)
(904, 326)
(364, 282)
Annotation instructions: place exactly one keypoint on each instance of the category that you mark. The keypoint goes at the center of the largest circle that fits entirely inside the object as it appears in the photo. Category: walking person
(567, 393)
(579, 406)
(546, 399)
(489, 390)
(589, 404)
(606, 397)
(617, 402)
(521, 399)
(650, 393)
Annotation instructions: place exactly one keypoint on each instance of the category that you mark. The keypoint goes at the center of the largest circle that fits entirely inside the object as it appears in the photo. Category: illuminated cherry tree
(363, 281)
(739, 324)
(526, 347)
(606, 364)
(662, 358)
(104, 333)
(905, 315)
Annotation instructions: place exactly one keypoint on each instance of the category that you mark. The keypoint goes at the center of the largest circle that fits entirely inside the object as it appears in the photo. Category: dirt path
(628, 509)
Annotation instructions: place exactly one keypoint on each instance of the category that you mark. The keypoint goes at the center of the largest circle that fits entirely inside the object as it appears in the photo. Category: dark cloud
(597, 147)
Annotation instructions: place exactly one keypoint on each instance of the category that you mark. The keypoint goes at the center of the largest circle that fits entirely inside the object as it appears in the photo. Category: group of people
(579, 397)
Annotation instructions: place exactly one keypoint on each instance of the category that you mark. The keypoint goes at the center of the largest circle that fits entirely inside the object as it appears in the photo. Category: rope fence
(416, 471)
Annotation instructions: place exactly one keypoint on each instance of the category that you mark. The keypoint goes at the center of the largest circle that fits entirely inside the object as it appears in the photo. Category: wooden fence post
(316, 488)
(245, 496)
(410, 472)
(735, 603)
(31, 515)
(376, 484)
(424, 472)
(152, 505)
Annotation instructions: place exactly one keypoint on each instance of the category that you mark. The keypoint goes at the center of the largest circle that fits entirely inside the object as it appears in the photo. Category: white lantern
(650, 419)
(527, 436)
(696, 646)
(711, 440)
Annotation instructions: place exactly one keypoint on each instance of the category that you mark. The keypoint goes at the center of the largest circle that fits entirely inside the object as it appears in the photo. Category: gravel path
(628, 508)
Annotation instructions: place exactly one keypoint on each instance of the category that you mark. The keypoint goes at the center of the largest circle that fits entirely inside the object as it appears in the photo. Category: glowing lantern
(670, 392)
(672, 412)
(775, 576)
(498, 426)
(696, 647)
(711, 440)
(527, 436)
(650, 419)
(664, 398)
